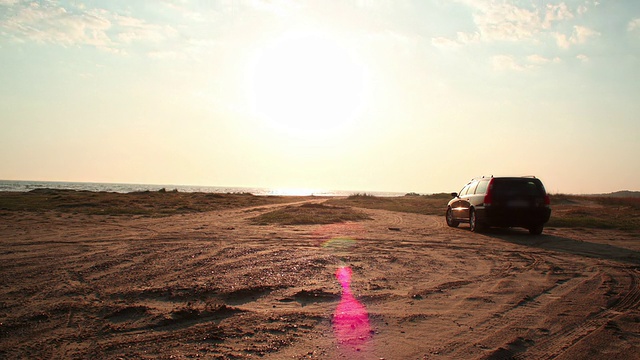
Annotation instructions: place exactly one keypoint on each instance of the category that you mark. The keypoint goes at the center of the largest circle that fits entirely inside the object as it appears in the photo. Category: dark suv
(502, 202)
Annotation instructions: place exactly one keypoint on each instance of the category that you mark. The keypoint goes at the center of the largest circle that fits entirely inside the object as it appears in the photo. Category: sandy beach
(223, 284)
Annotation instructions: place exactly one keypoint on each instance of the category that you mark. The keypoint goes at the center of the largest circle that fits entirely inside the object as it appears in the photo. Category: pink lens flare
(338, 236)
(351, 319)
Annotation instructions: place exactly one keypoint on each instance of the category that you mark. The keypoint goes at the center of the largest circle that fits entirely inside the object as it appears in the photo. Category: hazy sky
(346, 95)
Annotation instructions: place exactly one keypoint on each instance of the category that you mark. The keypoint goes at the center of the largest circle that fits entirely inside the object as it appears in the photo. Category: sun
(306, 83)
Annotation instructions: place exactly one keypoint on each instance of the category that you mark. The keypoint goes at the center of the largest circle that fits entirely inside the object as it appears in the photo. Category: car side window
(472, 188)
(464, 190)
(482, 187)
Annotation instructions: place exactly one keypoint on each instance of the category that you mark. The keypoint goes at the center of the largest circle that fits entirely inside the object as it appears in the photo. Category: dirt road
(211, 285)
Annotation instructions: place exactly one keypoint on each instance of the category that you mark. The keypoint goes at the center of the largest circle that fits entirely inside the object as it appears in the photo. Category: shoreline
(25, 186)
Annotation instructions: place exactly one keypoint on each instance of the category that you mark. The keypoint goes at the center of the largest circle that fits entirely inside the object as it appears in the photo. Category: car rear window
(517, 187)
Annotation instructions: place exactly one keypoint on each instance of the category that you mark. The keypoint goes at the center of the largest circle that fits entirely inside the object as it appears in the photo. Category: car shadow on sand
(566, 245)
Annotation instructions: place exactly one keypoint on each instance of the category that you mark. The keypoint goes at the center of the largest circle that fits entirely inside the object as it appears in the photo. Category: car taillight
(488, 199)
(547, 199)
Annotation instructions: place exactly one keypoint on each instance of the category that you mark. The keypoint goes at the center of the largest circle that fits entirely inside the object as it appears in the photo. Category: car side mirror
(455, 195)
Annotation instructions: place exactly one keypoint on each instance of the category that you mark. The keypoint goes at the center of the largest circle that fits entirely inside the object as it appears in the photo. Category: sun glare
(306, 83)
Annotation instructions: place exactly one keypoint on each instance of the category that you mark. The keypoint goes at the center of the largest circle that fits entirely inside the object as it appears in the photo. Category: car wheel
(536, 229)
(450, 220)
(474, 225)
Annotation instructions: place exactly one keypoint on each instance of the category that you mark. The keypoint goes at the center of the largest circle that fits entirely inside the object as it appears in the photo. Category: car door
(457, 207)
(465, 199)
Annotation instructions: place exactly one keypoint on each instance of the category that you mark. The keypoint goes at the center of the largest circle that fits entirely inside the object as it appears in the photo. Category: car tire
(450, 220)
(536, 229)
(474, 225)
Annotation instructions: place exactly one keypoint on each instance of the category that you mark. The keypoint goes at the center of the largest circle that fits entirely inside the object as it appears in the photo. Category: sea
(25, 186)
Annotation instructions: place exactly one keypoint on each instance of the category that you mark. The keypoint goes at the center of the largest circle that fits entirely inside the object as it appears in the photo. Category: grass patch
(309, 214)
(621, 213)
(435, 204)
(595, 212)
(146, 203)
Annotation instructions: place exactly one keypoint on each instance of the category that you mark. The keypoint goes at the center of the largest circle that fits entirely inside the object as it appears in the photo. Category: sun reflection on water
(296, 192)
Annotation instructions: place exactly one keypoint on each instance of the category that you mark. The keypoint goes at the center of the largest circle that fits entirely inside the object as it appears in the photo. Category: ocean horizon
(26, 186)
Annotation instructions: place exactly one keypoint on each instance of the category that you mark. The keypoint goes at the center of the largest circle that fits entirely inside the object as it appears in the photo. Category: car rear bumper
(507, 217)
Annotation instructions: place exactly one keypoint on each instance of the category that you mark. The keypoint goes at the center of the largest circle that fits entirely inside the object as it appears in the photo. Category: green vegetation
(622, 213)
(146, 203)
(596, 212)
(420, 204)
(308, 214)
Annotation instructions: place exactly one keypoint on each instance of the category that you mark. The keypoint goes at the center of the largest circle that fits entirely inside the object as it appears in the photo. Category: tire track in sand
(569, 336)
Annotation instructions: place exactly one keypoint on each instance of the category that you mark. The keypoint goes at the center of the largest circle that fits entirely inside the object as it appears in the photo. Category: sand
(214, 285)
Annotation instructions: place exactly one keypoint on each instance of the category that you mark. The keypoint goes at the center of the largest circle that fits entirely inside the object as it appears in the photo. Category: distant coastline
(24, 186)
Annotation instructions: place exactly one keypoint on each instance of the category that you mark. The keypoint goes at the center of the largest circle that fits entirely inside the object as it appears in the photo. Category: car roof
(503, 177)
(481, 178)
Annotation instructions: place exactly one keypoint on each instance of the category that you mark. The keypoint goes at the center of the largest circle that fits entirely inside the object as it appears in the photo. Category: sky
(362, 95)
